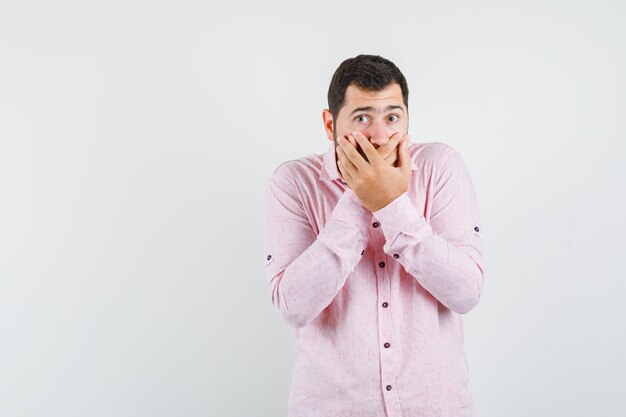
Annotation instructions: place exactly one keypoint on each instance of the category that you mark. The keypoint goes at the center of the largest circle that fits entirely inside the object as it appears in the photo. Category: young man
(373, 254)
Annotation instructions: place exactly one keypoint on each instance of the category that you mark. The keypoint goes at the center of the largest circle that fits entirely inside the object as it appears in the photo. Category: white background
(136, 138)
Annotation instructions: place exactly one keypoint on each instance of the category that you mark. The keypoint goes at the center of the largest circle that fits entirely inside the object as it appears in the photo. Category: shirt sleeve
(304, 271)
(445, 254)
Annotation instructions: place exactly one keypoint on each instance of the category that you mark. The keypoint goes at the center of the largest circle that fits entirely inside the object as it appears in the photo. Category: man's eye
(358, 118)
(393, 115)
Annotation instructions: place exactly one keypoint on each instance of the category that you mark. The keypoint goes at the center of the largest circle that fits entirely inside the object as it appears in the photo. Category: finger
(346, 176)
(389, 149)
(358, 148)
(404, 156)
(349, 138)
(401, 137)
(352, 154)
(368, 148)
(344, 172)
(407, 139)
(391, 158)
(347, 165)
(394, 140)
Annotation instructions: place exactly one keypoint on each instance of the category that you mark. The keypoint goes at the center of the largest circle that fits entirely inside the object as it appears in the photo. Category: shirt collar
(330, 172)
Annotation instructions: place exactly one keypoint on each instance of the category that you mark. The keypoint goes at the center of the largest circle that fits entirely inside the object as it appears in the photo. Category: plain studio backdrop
(137, 138)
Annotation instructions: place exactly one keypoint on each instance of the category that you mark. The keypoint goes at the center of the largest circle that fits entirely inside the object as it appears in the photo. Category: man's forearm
(452, 273)
(309, 282)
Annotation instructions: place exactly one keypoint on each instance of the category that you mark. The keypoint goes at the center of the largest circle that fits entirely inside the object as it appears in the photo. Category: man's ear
(329, 124)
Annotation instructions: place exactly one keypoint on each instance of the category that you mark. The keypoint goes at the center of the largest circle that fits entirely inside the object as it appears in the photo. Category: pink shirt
(375, 298)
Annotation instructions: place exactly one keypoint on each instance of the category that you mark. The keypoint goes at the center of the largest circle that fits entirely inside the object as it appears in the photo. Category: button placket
(385, 334)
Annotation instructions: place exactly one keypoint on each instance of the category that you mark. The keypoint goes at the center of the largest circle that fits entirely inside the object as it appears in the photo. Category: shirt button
(269, 257)
(388, 387)
(387, 344)
(476, 228)
(363, 251)
(395, 255)
(385, 304)
(375, 224)
(381, 264)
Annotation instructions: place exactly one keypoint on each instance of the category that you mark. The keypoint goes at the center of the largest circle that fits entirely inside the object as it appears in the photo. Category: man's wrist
(401, 215)
(349, 209)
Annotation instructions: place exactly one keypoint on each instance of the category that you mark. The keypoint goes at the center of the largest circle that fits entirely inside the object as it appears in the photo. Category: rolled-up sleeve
(305, 271)
(445, 253)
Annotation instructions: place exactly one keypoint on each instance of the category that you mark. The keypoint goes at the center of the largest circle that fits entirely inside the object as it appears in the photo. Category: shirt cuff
(346, 229)
(350, 210)
(401, 216)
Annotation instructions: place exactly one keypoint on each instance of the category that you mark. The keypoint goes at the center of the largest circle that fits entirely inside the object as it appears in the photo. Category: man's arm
(444, 254)
(306, 272)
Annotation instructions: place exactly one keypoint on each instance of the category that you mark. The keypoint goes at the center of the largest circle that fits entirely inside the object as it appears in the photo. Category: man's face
(376, 114)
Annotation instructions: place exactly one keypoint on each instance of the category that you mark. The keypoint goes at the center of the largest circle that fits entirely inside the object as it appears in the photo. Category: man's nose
(378, 134)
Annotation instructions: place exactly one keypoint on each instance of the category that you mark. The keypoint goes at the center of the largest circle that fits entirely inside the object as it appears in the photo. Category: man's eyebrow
(370, 108)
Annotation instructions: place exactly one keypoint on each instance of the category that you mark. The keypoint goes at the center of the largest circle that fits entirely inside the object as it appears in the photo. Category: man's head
(367, 93)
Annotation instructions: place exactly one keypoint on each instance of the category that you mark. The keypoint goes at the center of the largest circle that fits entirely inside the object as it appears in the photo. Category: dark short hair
(367, 72)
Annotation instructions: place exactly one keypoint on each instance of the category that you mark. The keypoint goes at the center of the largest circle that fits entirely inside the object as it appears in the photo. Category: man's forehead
(389, 95)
